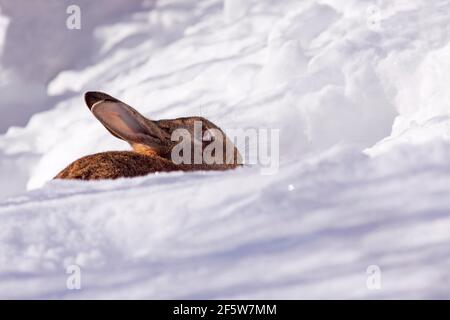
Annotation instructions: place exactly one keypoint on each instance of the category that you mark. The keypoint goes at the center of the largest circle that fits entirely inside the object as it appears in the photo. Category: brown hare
(153, 144)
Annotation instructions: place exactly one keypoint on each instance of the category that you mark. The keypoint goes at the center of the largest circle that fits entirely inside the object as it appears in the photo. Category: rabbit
(152, 144)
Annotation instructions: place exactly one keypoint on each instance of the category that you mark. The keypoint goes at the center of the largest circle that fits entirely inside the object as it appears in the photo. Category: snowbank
(358, 91)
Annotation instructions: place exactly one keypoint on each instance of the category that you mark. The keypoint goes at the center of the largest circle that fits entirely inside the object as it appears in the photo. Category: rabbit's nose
(92, 97)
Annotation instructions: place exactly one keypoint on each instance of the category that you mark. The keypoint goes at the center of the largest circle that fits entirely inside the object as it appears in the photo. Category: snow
(358, 92)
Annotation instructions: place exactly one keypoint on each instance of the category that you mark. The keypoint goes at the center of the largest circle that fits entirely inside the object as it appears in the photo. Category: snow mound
(358, 91)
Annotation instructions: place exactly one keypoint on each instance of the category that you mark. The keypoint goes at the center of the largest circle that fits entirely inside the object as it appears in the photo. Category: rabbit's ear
(120, 119)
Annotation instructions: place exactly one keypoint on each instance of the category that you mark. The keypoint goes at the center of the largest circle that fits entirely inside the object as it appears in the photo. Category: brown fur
(146, 158)
(118, 164)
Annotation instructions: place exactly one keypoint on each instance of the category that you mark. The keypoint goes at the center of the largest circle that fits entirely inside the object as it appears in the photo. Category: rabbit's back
(115, 164)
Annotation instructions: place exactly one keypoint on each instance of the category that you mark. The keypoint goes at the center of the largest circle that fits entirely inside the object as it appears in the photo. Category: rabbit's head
(156, 137)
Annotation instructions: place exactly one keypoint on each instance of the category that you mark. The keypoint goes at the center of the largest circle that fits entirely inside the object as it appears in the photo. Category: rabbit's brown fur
(151, 151)
(113, 165)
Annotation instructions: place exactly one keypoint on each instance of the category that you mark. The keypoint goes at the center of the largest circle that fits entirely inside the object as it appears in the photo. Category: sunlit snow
(359, 92)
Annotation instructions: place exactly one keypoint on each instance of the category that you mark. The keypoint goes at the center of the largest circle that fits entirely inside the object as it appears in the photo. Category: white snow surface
(359, 91)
